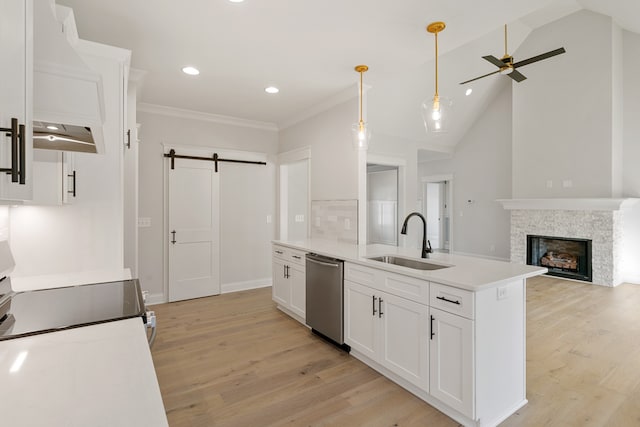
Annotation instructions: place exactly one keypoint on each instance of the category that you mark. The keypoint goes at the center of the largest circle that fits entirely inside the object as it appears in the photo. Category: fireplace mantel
(602, 204)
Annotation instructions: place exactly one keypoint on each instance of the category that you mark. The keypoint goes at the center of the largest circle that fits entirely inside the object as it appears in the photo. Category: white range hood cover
(65, 89)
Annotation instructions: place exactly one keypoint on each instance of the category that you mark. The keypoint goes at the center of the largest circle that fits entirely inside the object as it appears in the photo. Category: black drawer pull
(448, 300)
(374, 306)
(296, 256)
(432, 333)
(279, 252)
(380, 313)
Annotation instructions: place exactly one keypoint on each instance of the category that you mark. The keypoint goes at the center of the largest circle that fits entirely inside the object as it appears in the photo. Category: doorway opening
(382, 204)
(436, 207)
(294, 199)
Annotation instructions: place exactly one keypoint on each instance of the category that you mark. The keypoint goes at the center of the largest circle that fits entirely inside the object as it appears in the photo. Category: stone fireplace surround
(601, 220)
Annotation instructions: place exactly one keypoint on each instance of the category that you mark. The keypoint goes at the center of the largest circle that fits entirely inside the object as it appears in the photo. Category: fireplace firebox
(564, 257)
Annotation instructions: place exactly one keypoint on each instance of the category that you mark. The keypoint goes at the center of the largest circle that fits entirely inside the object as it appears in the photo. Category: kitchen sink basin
(416, 264)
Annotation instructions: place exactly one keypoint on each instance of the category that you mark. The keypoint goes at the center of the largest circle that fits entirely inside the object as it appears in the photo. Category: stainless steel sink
(408, 262)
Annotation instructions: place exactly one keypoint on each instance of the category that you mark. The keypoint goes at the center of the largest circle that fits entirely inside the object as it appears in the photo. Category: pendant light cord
(361, 121)
(436, 34)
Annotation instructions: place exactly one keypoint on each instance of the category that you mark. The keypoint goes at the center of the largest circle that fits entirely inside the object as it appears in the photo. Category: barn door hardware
(172, 155)
(18, 152)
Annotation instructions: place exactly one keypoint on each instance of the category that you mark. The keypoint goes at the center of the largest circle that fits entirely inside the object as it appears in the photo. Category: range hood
(67, 93)
(58, 136)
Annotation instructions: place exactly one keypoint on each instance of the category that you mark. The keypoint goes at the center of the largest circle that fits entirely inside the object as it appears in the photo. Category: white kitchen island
(454, 336)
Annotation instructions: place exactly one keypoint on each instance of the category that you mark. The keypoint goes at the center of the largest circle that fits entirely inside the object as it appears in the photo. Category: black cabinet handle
(73, 190)
(432, 333)
(173, 237)
(14, 133)
(374, 305)
(128, 144)
(286, 271)
(380, 313)
(448, 300)
(23, 154)
(296, 256)
(279, 252)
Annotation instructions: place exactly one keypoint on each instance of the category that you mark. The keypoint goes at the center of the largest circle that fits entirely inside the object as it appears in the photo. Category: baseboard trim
(153, 299)
(245, 286)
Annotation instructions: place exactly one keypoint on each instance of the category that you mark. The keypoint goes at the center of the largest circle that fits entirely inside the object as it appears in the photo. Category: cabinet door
(15, 91)
(451, 367)
(69, 178)
(405, 338)
(361, 319)
(298, 289)
(281, 286)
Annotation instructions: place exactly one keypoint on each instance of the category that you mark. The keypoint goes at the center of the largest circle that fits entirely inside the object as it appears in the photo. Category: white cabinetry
(54, 177)
(16, 71)
(460, 351)
(388, 329)
(289, 285)
(451, 368)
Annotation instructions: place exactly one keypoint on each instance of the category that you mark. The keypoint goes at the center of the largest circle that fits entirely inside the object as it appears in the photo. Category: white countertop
(465, 272)
(47, 281)
(99, 376)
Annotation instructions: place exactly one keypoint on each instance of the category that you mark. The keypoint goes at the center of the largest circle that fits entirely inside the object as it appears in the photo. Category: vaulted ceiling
(309, 48)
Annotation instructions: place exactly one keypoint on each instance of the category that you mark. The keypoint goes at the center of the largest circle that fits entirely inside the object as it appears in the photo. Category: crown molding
(206, 117)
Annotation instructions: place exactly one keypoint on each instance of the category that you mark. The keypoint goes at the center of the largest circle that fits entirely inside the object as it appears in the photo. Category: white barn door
(194, 230)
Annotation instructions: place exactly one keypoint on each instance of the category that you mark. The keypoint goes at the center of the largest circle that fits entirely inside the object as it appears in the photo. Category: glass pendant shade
(360, 135)
(435, 113)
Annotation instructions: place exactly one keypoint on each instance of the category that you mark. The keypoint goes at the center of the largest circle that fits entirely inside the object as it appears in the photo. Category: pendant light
(359, 131)
(436, 111)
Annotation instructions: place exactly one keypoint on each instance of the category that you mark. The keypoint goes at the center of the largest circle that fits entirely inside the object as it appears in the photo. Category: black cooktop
(47, 310)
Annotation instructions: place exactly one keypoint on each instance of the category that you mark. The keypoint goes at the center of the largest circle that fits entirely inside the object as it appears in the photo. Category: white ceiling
(309, 48)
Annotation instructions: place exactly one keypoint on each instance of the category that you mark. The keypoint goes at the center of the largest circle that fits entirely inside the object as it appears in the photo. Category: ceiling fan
(508, 67)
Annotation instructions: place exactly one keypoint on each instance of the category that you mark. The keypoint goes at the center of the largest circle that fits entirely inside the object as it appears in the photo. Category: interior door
(194, 230)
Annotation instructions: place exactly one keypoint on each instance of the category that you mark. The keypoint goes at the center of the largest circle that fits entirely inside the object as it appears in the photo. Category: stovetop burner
(47, 310)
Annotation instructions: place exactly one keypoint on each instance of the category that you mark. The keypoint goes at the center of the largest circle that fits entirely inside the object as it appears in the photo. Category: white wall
(245, 199)
(334, 160)
(481, 167)
(562, 114)
(87, 235)
(631, 102)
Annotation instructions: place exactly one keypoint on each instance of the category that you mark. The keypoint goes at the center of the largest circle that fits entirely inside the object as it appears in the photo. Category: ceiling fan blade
(539, 57)
(517, 76)
(478, 78)
(495, 61)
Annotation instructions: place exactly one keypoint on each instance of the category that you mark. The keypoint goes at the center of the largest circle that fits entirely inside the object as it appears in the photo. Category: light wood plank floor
(235, 360)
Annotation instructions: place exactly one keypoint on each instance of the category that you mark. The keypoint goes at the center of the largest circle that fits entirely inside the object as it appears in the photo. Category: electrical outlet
(502, 293)
(299, 218)
(347, 224)
(269, 219)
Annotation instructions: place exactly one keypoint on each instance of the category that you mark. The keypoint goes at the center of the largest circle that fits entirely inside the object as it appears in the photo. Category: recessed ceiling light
(468, 92)
(192, 71)
(236, 1)
(271, 89)
(52, 127)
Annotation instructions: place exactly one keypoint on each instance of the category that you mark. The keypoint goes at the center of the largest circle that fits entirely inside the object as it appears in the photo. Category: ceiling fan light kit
(359, 131)
(435, 111)
(507, 66)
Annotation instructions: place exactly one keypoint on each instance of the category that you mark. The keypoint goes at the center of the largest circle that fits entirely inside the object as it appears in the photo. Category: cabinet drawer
(279, 252)
(360, 274)
(452, 300)
(296, 256)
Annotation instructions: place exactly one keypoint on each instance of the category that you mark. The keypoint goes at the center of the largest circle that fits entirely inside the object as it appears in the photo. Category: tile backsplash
(335, 220)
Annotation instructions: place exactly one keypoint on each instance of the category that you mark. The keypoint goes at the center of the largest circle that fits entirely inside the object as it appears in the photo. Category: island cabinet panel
(405, 336)
(360, 322)
(289, 281)
(390, 330)
(451, 351)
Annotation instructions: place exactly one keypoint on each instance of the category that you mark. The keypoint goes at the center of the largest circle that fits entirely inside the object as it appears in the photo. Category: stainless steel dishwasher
(324, 300)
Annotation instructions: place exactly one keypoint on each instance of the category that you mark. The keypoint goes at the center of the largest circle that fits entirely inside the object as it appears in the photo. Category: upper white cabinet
(16, 99)
(54, 177)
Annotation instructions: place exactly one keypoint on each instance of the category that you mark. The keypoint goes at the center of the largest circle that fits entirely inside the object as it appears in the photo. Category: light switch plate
(144, 222)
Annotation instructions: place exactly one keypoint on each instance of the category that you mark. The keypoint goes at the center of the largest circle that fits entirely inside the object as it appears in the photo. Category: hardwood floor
(235, 360)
